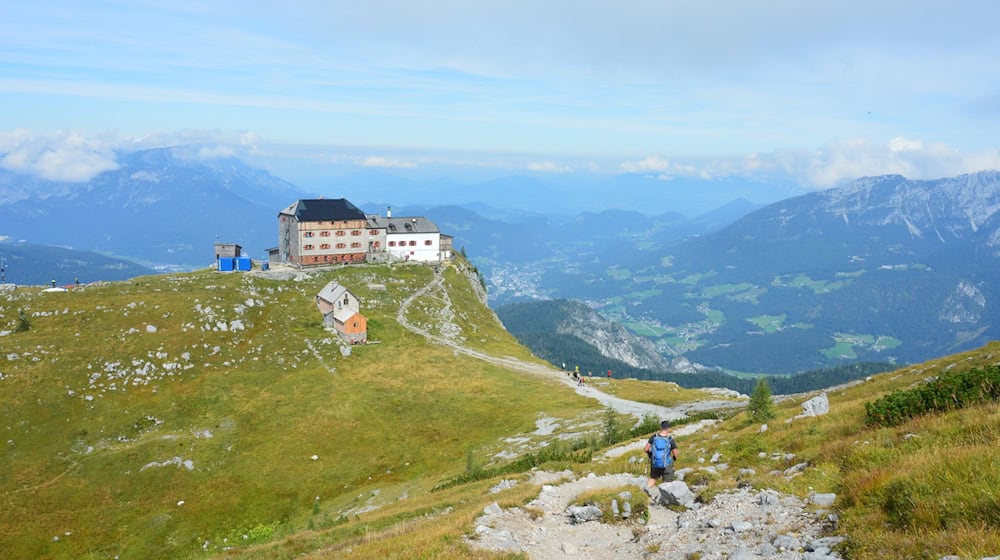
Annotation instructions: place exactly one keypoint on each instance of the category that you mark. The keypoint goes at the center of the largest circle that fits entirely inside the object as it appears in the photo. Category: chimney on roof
(388, 211)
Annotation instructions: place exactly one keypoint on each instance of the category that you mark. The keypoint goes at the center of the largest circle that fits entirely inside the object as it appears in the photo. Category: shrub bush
(951, 390)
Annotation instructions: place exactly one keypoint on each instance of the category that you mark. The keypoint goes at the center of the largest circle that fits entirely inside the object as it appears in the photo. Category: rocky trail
(741, 525)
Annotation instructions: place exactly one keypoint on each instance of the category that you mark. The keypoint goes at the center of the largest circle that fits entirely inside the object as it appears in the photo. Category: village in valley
(323, 232)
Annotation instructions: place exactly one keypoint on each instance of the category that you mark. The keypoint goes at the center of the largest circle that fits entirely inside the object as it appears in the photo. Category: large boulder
(582, 514)
(816, 406)
(676, 493)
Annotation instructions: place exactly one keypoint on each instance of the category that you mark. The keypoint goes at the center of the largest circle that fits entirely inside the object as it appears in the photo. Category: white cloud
(380, 161)
(59, 156)
(76, 157)
(914, 159)
(664, 168)
(549, 167)
(646, 165)
(832, 164)
(215, 152)
(900, 144)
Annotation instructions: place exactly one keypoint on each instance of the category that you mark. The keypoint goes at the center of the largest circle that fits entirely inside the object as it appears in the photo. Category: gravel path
(623, 406)
(744, 524)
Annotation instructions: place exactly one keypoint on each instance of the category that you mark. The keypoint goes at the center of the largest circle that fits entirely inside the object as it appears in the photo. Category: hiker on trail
(662, 451)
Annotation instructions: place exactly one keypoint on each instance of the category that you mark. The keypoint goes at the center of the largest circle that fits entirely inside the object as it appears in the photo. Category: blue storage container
(227, 264)
(243, 263)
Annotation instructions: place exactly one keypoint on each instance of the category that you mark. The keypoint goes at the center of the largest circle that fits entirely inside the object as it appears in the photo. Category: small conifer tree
(760, 409)
(23, 324)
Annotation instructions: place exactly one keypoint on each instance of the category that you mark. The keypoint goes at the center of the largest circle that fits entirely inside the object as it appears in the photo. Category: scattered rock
(816, 406)
(583, 514)
(795, 469)
(768, 498)
(743, 473)
(493, 509)
(787, 542)
(505, 484)
(676, 493)
(822, 500)
(741, 526)
(763, 428)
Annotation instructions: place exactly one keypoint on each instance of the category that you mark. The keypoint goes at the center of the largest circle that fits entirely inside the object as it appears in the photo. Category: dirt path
(634, 408)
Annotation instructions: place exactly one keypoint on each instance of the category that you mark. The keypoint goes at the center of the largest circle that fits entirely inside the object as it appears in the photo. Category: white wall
(418, 252)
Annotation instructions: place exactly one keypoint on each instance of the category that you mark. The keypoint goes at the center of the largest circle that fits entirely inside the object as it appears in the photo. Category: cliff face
(610, 339)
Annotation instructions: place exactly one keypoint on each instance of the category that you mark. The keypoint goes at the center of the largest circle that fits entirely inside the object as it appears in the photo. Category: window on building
(340, 232)
(307, 247)
(324, 246)
(307, 234)
(428, 242)
(356, 232)
(373, 232)
(355, 245)
(324, 234)
(341, 245)
(413, 243)
(392, 243)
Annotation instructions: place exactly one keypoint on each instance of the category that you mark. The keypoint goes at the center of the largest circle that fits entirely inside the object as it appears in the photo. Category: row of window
(323, 246)
(356, 245)
(338, 233)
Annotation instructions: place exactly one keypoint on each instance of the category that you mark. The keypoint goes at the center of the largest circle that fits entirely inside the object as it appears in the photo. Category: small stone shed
(341, 310)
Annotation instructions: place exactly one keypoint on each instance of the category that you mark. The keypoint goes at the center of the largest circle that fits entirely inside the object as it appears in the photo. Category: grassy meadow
(178, 416)
(211, 415)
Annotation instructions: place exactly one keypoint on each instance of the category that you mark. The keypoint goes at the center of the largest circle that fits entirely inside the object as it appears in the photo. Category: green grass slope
(927, 488)
(181, 416)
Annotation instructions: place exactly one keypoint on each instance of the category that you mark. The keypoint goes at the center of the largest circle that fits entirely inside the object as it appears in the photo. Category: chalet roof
(344, 314)
(417, 224)
(332, 292)
(324, 210)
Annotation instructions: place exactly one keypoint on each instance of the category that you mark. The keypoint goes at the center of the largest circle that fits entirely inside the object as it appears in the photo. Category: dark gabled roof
(324, 210)
(417, 224)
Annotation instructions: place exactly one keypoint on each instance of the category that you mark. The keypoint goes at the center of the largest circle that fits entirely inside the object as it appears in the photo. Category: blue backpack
(661, 451)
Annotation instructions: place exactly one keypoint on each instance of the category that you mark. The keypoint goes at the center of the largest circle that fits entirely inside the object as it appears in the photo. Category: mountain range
(161, 207)
(881, 269)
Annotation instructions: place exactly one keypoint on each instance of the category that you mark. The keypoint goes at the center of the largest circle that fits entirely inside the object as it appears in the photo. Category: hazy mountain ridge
(28, 264)
(159, 206)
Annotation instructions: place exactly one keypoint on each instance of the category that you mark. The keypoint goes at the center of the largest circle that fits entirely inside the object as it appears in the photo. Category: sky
(818, 92)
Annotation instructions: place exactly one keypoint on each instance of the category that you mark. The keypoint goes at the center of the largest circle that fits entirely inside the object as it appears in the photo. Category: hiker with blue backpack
(662, 451)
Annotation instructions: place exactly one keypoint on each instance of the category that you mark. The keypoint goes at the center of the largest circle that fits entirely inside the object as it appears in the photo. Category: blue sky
(816, 91)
